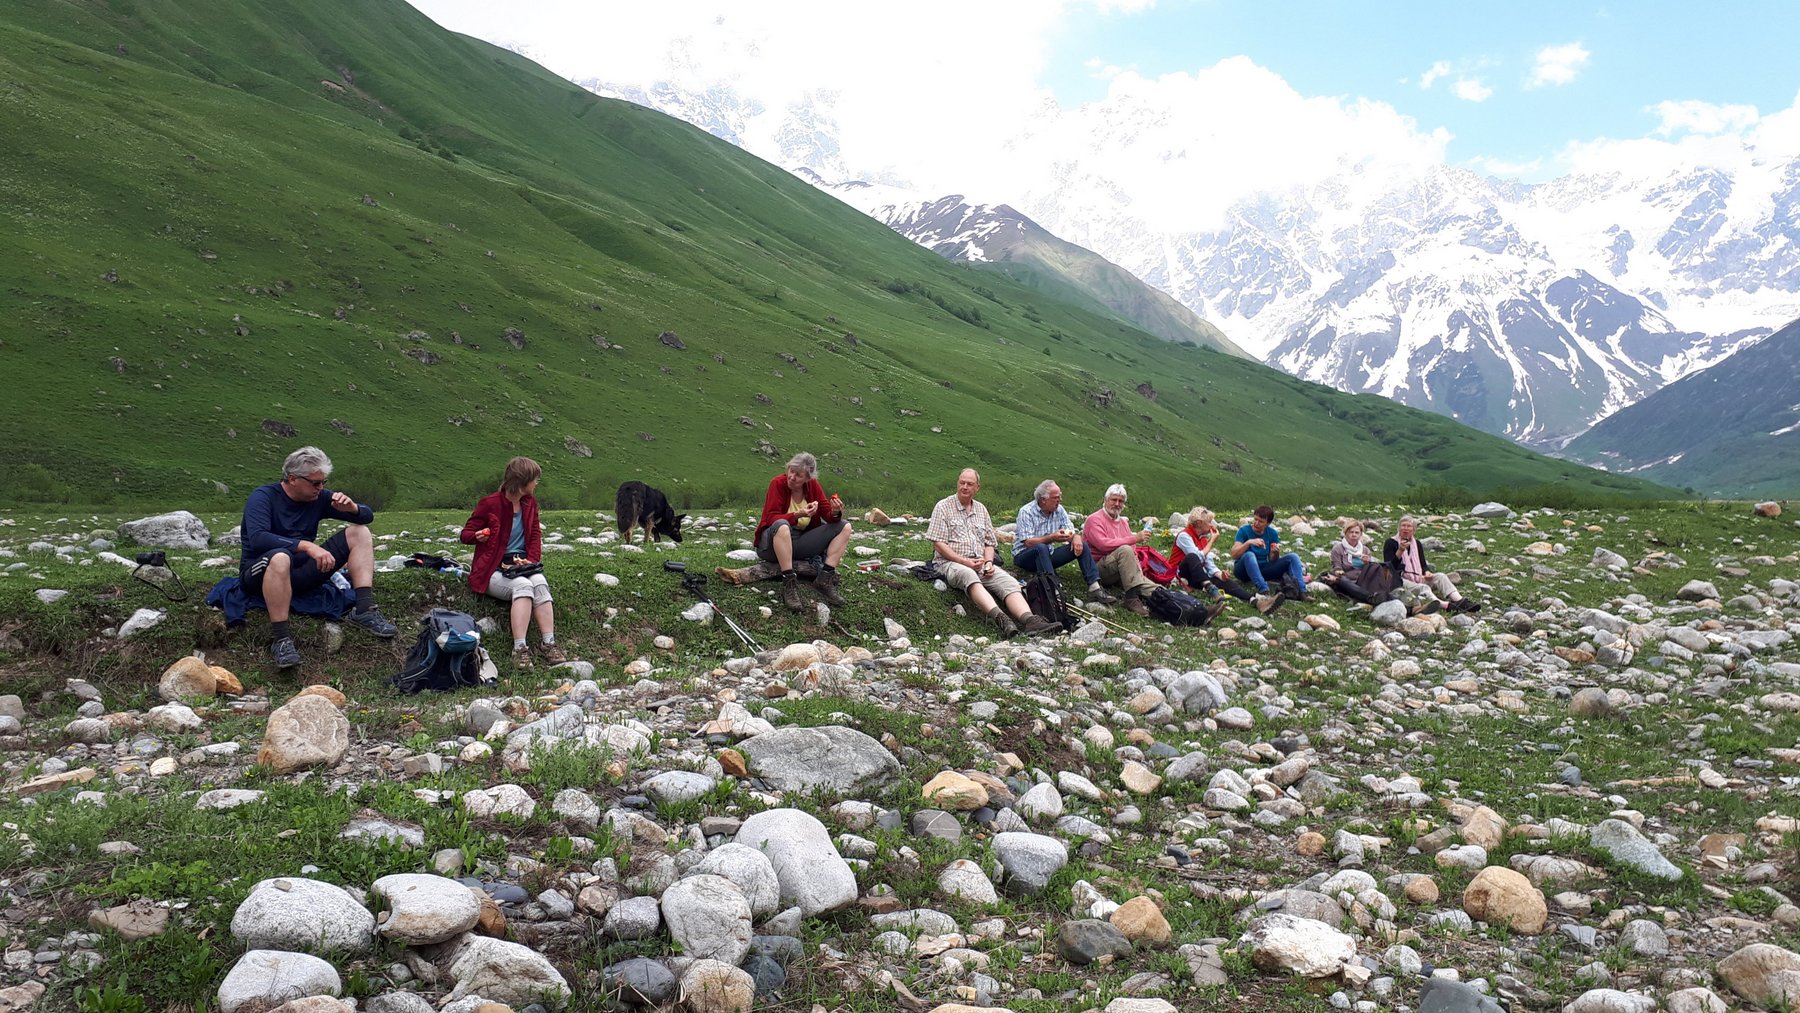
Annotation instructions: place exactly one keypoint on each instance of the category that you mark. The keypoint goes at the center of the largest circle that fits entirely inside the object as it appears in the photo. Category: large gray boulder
(1622, 841)
(1029, 859)
(425, 909)
(291, 913)
(1491, 510)
(709, 917)
(750, 870)
(177, 530)
(829, 758)
(813, 876)
(499, 971)
(264, 979)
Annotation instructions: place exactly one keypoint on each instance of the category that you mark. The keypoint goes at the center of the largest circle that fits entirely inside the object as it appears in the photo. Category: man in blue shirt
(1044, 538)
(282, 558)
(1257, 556)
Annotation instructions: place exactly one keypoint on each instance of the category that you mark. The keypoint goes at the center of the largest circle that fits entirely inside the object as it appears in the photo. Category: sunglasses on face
(316, 483)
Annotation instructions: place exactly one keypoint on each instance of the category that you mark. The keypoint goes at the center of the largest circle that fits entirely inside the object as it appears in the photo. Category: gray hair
(805, 462)
(1410, 519)
(303, 462)
(1043, 489)
(1116, 489)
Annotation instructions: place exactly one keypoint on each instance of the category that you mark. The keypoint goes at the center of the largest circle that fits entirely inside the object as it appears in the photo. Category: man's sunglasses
(316, 483)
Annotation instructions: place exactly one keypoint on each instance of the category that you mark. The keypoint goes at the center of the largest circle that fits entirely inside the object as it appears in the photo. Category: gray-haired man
(1044, 538)
(282, 558)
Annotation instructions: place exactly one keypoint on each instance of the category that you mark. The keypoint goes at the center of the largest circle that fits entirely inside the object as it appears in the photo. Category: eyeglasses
(316, 483)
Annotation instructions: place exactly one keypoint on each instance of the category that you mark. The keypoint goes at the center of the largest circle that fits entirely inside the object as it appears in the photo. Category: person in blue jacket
(282, 556)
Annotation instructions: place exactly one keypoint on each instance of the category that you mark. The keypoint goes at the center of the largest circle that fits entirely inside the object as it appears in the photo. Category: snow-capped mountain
(999, 236)
(1529, 310)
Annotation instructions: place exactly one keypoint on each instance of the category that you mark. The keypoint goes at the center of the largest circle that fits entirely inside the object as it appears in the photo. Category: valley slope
(313, 221)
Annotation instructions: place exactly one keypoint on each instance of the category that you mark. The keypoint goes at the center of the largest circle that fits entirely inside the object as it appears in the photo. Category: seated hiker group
(282, 563)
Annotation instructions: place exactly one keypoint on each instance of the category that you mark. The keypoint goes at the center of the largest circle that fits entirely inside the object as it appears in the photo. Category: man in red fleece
(1113, 543)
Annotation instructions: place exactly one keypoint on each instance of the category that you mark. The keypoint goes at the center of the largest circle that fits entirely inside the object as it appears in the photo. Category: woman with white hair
(798, 522)
(1417, 579)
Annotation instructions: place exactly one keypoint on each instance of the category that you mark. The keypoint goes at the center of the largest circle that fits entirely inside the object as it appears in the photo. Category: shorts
(303, 573)
(1000, 584)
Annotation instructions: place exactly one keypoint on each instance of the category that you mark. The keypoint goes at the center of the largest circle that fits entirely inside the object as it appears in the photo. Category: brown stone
(1485, 827)
(306, 731)
(1422, 890)
(1717, 845)
(1142, 922)
(1768, 508)
(51, 782)
(733, 763)
(955, 791)
(139, 919)
(1309, 844)
(312, 1004)
(337, 699)
(1139, 778)
(19, 997)
(225, 683)
(491, 921)
(1763, 973)
(1501, 896)
(877, 516)
(186, 679)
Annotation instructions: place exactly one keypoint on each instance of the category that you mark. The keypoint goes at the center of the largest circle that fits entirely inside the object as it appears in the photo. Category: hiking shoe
(553, 654)
(1034, 625)
(522, 659)
(827, 584)
(1099, 596)
(1428, 609)
(1464, 605)
(1008, 628)
(285, 654)
(1267, 602)
(374, 623)
(1292, 588)
(1212, 612)
(1135, 605)
(790, 593)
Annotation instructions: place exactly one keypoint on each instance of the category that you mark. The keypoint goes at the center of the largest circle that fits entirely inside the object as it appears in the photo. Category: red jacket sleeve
(481, 518)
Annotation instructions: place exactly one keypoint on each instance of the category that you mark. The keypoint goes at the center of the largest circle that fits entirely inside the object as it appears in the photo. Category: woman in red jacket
(798, 522)
(504, 531)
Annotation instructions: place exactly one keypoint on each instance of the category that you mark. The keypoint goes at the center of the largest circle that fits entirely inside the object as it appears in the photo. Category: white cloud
(1471, 89)
(1506, 169)
(1695, 117)
(1557, 65)
(1439, 69)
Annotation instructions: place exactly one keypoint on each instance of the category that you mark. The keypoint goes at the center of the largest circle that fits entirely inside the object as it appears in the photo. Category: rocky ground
(1583, 797)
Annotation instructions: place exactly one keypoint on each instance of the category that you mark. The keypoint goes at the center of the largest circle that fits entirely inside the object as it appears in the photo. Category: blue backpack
(447, 654)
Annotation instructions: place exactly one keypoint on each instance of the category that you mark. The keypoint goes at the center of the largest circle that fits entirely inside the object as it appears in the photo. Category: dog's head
(671, 525)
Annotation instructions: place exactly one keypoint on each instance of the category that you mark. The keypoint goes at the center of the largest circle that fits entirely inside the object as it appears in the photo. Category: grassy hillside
(237, 228)
(1725, 431)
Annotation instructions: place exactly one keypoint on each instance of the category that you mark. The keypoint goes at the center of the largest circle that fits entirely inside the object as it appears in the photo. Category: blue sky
(1638, 55)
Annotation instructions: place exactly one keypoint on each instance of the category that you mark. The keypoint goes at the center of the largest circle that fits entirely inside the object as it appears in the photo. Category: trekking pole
(1092, 616)
(695, 584)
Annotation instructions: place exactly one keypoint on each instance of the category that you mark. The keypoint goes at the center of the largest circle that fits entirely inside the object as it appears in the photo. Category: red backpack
(1155, 565)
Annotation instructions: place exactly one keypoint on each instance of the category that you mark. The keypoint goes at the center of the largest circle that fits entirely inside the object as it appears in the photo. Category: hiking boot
(1135, 605)
(285, 654)
(1034, 625)
(827, 584)
(1267, 602)
(1430, 608)
(1008, 628)
(1212, 612)
(1099, 596)
(1464, 605)
(553, 654)
(790, 593)
(1292, 589)
(522, 659)
(373, 622)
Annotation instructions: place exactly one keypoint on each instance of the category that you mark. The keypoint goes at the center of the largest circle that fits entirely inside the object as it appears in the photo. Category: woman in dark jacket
(1427, 587)
(504, 530)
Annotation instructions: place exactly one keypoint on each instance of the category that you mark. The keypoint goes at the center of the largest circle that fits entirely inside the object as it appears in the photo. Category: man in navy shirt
(1256, 556)
(281, 557)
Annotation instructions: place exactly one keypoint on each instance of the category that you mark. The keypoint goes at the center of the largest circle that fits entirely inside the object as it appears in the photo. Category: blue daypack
(447, 655)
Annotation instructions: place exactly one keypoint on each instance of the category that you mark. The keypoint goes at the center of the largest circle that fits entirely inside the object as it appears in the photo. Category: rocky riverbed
(1582, 797)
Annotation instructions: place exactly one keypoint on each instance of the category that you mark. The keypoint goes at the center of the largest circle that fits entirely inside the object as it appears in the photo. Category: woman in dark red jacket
(504, 531)
(798, 522)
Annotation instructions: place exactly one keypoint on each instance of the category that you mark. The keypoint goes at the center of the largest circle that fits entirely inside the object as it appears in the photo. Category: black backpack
(447, 655)
(1177, 608)
(1043, 592)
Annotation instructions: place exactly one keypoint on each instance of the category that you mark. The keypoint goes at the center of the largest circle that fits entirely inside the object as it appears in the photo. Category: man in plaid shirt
(963, 541)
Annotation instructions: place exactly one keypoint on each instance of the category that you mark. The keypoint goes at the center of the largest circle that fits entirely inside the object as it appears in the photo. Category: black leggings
(1195, 574)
